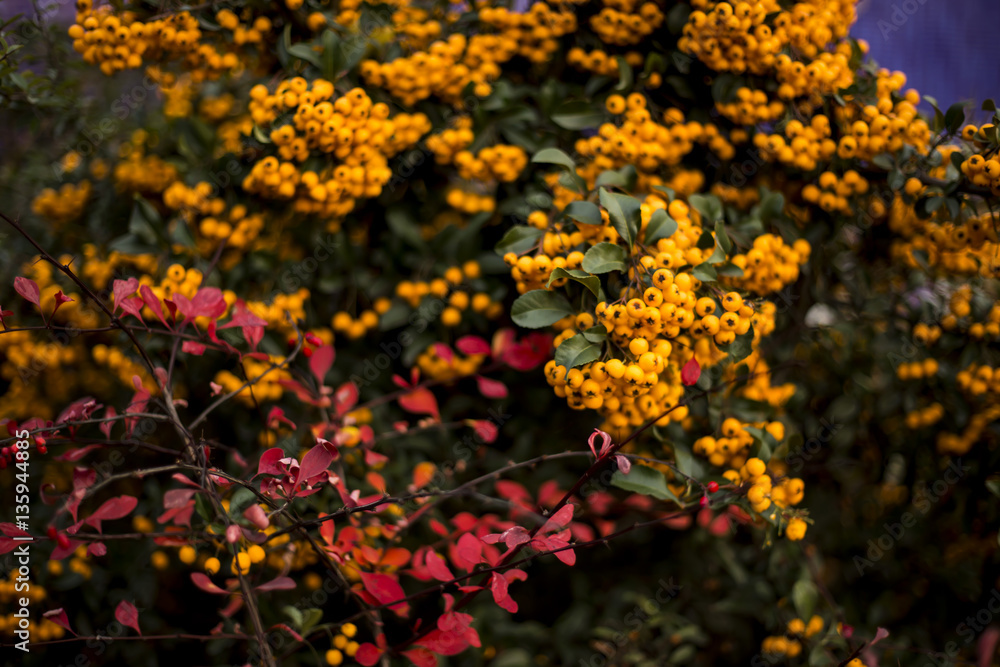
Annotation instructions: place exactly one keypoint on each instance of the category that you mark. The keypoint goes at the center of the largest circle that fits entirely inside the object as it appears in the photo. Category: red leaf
(116, 508)
(321, 361)
(204, 583)
(560, 519)
(108, 425)
(192, 347)
(691, 372)
(255, 515)
(127, 615)
(133, 307)
(244, 318)
(58, 616)
(421, 657)
(123, 289)
(314, 462)
(472, 345)
(78, 453)
(208, 302)
(491, 388)
(152, 302)
(345, 398)
(368, 654)
(97, 549)
(385, 589)
(27, 288)
(498, 586)
(470, 549)
(269, 462)
(443, 351)
(420, 401)
(60, 300)
(278, 584)
(438, 568)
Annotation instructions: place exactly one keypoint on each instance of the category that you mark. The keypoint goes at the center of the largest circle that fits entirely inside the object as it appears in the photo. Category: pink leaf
(28, 289)
(605, 442)
(691, 372)
(278, 584)
(244, 318)
(443, 351)
(193, 347)
(623, 463)
(108, 425)
(133, 307)
(314, 462)
(127, 615)
(345, 398)
(880, 634)
(123, 289)
(321, 361)
(438, 568)
(560, 519)
(470, 550)
(116, 508)
(204, 583)
(208, 302)
(233, 534)
(472, 345)
(58, 616)
(255, 515)
(97, 549)
(491, 388)
(485, 430)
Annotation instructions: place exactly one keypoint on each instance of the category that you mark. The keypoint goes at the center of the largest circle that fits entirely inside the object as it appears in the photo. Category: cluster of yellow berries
(448, 143)
(448, 367)
(739, 198)
(926, 334)
(770, 264)
(983, 172)
(63, 205)
(762, 491)
(884, 126)
(9, 595)
(621, 23)
(964, 249)
(241, 564)
(237, 228)
(960, 444)
(281, 308)
(833, 194)
(143, 173)
(119, 41)
(802, 146)
(444, 69)
(645, 143)
(924, 417)
(731, 448)
(357, 327)
(260, 387)
(728, 39)
(499, 162)
(535, 31)
(751, 107)
(470, 203)
(977, 380)
(917, 370)
(789, 644)
(447, 288)
(244, 33)
(601, 63)
(343, 645)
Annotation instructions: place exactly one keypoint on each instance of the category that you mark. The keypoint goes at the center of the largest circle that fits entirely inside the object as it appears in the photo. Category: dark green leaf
(605, 257)
(577, 351)
(660, 226)
(708, 205)
(740, 348)
(554, 156)
(645, 480)
(596, 334)
(578, 115)
(722, 238)
(539, 308)
(624, 212)
(705, 272)
(518, 239)
(305, 52)
(624, 74)
(585, 212)
(593, 283)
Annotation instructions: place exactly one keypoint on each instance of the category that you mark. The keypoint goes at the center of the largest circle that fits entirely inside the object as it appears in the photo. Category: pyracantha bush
(341, 332)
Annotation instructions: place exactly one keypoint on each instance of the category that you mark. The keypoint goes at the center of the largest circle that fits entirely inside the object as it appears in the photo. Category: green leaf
(577, 351)
(403, 225)
(705, 272)
(740, 348)
(671, 195)
(954, 117)
(989, 105)
(722, 238)
(708, 205)
(518, 239)
(804, 597)
(305, 52)
(584, 212)
(645, 480)
(729, 270)
(660, 226)
(295, 614)
(624, 74)
(624, 212)
(554, 156)
(310, 618)
(539, 308)
(994, 486)
(686, 461)
(884, 161)
(596, 334)
(242, 498)
(578, 115)
(764, 443)
(605, 257)
(333, 55)
(593, 283)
